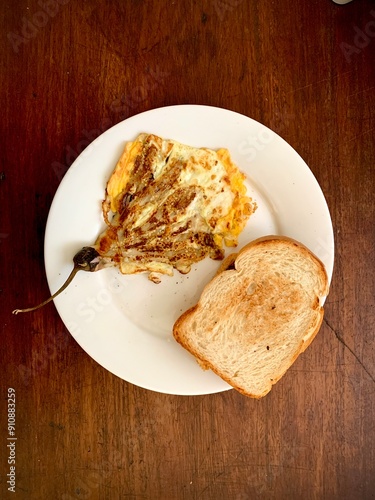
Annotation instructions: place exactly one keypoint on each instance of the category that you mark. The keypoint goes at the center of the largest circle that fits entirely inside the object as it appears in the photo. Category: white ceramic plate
(125, 322)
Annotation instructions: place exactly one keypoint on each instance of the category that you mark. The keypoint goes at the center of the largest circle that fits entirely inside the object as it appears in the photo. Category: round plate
(125, 322)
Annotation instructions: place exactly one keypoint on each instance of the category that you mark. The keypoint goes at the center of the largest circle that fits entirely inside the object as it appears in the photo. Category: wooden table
(72, 69)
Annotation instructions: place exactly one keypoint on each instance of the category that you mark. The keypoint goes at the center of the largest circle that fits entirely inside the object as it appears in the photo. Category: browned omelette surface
(169, 205)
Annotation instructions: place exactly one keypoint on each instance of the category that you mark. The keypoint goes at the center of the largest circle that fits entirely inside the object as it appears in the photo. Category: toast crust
(232, 270)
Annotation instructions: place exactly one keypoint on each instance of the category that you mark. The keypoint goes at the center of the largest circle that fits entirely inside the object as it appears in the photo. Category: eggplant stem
(61, 289)
(85, 260)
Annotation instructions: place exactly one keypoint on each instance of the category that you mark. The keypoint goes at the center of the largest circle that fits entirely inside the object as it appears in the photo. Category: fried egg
(168, 205)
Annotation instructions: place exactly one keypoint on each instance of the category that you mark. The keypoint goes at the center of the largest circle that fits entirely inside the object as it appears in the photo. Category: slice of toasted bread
(254, 318)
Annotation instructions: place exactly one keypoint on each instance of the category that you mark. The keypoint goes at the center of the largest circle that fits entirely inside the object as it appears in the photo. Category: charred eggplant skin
(86, 259)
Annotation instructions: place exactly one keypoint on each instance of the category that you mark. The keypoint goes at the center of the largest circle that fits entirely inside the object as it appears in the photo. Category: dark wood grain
(305, 69)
